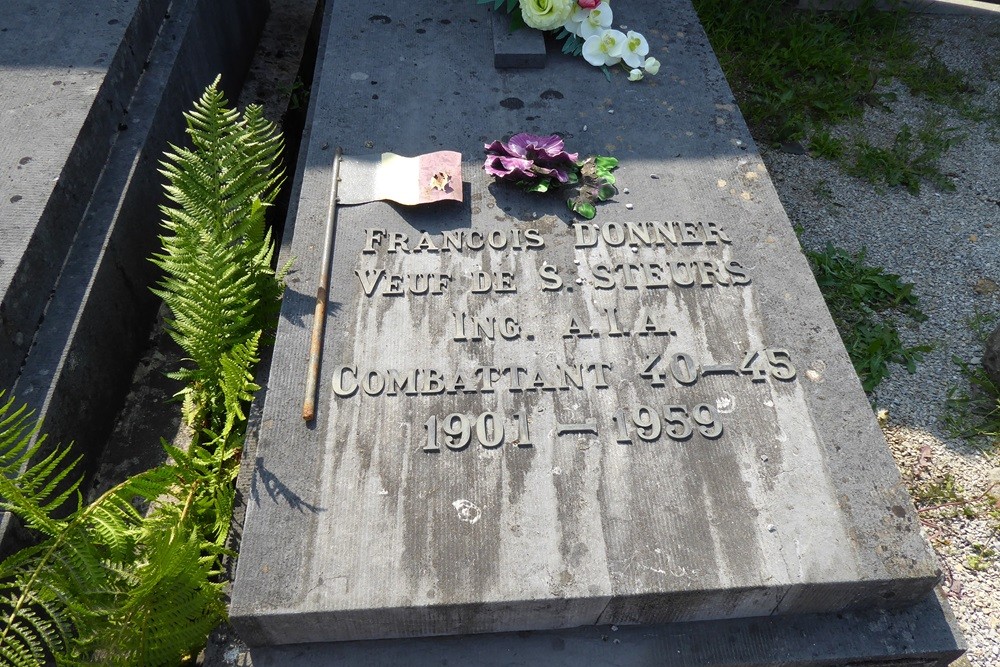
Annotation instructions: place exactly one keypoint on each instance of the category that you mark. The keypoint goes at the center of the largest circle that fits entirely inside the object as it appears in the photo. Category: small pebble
(625, 190)
(771, 528)
(611, 110)
(653, 176)
(579, 281)
(629, 206)
(763, 457)
(584, 128)
(576, 261)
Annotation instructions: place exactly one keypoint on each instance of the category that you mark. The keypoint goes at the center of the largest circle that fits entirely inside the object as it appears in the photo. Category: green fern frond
(56, 596)
(172, 605)
(33, 491)
(237, 380)
(214, 465)
(135, 576)
(216, 255)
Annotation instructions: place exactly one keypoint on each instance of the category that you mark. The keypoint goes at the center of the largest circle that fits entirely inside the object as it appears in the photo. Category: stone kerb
(93, 99)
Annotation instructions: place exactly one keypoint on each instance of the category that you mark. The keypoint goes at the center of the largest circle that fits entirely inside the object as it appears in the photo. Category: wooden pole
(322, 294)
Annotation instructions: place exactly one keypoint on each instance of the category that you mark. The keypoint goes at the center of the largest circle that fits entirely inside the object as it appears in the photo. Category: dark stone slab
(920, 636)
(518, 49)
(66, 78)
(356, 530)
(87, 263)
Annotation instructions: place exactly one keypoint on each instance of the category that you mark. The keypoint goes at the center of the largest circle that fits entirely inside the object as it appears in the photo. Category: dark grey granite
(66, 78)
(920, 636)
(517, 49)
(355, 530)
(93, 98)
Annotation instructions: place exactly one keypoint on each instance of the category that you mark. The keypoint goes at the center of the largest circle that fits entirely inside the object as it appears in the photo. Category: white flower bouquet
(585, 28)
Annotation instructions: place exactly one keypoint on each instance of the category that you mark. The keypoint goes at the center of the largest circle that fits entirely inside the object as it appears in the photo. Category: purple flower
(526, 158)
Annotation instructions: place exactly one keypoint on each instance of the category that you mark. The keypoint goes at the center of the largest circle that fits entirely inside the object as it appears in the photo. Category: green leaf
(217, 251)
(606, 191)
(584, 209)
(572, 45)
(605, 162)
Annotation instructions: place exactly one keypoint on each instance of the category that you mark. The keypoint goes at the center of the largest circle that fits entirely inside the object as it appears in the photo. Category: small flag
(410, 181)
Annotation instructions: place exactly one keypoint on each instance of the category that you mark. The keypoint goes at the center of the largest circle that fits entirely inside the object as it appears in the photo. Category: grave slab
(527, 421)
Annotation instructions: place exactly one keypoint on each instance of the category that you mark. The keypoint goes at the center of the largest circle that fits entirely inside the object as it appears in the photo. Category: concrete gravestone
(528, 421)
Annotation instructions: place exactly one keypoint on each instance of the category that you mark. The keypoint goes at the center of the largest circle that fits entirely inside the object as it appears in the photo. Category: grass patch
(931, 79)
(795, 72)
(866, 303)
(912, 158)
(791, 69)
(973, 412)
(982, 323)
(823, 144)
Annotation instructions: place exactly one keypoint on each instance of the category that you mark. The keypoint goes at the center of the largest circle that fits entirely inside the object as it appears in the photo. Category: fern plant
(135, 577)
(107, 584)
(219, 283)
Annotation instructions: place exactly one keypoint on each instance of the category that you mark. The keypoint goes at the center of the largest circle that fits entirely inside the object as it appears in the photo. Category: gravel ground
(947, 244)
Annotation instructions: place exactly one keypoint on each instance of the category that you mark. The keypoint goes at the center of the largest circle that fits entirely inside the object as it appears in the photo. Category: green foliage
(863, 300)
(910, 160)
(105, 584)
(219, 285)
(981, 558)
(973, 412)
(824, 145)
(796, 72)
(930, 78)
(500, 5)
(594, 183)
(134, 577)
(982, 323)
(940, 491)
(573, 45)
(298, 94)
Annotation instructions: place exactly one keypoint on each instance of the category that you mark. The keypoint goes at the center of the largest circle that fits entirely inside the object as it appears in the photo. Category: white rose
(546, 14)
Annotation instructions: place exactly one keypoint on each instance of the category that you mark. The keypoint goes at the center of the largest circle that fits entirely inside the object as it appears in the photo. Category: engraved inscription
(349, 380)
(641, 266)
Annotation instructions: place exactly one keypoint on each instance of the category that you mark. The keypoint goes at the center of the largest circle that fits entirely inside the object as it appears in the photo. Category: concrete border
(95, 325)
(41, 257)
